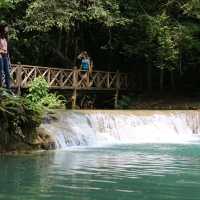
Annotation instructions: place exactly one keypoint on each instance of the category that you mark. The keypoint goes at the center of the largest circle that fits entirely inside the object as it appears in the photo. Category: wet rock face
(44, 140)
(49, 118)
(48, 146)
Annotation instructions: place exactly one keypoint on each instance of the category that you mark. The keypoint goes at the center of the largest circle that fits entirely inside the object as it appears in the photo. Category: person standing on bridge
(4, 56)
(86, 62)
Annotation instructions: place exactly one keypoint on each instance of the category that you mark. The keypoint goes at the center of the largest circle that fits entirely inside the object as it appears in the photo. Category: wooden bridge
(69, 79)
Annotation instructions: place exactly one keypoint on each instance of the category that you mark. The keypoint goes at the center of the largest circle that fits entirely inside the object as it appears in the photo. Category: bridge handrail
(56, 68)
(62, 78)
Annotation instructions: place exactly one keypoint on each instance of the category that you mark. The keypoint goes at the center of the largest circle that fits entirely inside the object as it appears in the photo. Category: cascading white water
(94, 128)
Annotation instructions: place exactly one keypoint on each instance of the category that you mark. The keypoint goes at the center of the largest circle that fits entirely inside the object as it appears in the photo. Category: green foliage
(130, 35)
(167, 36)
(38, 89)
(19, 116)
(126, 101)
(6, 3)
(18, 121)
(39, 98)
(192, 8)
(53, 101)
(44, 15)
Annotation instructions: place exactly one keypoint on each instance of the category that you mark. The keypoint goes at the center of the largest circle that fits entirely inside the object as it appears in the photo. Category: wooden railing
(57, 78)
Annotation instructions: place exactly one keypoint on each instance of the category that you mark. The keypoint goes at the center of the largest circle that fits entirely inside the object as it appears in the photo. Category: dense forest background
(156, 41)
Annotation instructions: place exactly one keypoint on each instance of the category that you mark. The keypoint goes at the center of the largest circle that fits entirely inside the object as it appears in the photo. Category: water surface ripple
(140, 172)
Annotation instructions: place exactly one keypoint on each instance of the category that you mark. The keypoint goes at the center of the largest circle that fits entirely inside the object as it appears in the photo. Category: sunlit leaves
(192, 8)
(45, 15)
(167, 35)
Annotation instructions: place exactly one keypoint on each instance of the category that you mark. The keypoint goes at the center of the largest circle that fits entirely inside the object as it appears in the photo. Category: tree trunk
(149, 78)
(59, 41)
(66, 48)
(161, 80)
(64, 59)
(173, 86)
(75, 50)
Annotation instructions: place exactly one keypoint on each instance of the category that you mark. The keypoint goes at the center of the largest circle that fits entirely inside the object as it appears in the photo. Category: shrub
(126, 101)
(18, 121)
(39, 98)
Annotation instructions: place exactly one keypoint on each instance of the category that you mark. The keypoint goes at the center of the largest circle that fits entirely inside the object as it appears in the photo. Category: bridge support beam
(75, 83)
(74, 99)
(116, 99)
(117, 89)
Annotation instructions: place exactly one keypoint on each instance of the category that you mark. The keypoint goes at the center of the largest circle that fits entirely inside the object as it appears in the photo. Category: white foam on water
(98, 128)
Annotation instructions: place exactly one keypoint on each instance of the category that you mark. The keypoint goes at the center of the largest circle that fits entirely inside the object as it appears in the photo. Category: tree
(70, 21)
(157, 41)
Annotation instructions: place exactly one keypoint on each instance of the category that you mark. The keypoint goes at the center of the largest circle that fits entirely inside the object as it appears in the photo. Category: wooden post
(117, 89)
(19, 79)
(61, 78)
(75, 82)
(74, 98)
(49, 77)
(108, 80)
(35, 72)
(88, 79)
(98, 80)
(116, 98)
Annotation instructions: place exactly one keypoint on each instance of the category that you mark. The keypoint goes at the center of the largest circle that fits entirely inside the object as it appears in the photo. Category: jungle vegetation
(156, 41)
(18, 122)
(20, 116)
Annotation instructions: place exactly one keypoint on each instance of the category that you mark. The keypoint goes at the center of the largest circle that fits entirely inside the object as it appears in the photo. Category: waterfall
(96, 128)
